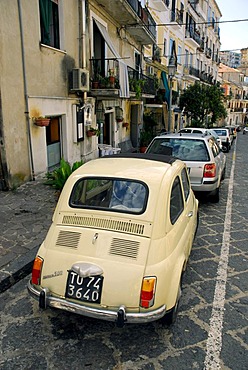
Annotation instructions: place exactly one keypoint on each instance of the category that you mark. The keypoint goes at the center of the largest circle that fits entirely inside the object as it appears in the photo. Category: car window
(221, 132)
(128, 196)
(185, 181)
(176, 201)
(184, 149)
(214, 147)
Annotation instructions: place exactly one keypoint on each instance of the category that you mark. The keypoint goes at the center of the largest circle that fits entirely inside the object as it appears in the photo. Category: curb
(17, 270)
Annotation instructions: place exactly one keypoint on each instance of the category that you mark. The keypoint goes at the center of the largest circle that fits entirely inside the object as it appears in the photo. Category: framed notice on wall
(80, 124)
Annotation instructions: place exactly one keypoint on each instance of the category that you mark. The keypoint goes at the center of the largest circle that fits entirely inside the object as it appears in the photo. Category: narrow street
(211, 331)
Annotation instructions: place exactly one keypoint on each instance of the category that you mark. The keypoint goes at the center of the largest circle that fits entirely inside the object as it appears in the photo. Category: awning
(166, 86)
(123, 73)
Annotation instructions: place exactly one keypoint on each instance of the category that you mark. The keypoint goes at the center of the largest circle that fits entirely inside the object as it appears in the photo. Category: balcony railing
(103, 71)
(144, 15)
(194, 72)
(177, 16)
(190, 33)
(140, 83)
(208, 53)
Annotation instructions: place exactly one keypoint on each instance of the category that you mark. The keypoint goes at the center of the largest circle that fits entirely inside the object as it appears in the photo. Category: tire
(216, 197)
(223, 174)
(171, 316)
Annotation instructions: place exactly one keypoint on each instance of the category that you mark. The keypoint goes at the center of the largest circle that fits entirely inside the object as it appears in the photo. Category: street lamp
(172, 67)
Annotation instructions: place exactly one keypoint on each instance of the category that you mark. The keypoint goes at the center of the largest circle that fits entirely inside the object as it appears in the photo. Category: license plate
(86, 289)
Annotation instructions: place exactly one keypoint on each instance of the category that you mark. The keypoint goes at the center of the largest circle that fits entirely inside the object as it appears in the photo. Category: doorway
(53, 135)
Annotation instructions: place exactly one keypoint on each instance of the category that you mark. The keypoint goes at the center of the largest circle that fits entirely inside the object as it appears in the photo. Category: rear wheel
(223, 174)
(216, 196)
(170, 317)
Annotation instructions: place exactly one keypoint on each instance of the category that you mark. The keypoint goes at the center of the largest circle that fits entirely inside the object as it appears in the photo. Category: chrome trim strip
(131, 318)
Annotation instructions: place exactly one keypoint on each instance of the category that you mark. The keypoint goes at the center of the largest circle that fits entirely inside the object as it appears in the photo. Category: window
(165, 48)
(186, 185)
(49, 23)
(186, 58)
(179, 54)
(120, 195)
(176, 201)
(171, 47)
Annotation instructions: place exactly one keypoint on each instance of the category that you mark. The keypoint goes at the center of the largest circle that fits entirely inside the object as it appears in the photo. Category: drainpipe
(82, 48)
(25, 92)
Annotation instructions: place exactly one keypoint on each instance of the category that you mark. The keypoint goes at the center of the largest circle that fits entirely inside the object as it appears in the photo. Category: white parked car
(120, 240)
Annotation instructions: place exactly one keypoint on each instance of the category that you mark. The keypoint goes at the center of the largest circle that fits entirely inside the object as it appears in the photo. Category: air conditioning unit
(80, 80)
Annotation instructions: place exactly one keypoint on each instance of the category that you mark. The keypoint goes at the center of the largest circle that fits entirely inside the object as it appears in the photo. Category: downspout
(25, 92)
(82, 48)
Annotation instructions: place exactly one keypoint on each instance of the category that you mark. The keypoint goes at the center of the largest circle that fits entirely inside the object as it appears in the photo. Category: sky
(233, 35)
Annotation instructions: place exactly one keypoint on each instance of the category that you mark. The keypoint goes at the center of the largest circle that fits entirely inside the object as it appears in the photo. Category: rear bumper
(207, 186)
(46, 299)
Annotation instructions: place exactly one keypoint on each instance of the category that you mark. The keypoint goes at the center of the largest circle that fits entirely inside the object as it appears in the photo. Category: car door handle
(190, 214)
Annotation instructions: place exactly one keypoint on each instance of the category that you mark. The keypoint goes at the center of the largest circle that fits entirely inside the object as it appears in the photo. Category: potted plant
(92, 131)
(112, 78)
(125, 124)
(145, 139)
(38, 119)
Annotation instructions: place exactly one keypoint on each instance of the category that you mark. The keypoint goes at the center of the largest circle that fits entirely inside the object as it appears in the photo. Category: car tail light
(36, 272)
(147, 292)
(209, 170)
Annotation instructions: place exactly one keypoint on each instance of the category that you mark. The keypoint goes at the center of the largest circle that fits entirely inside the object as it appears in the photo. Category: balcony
(104, 79)
(156, 54)
(193, 38)
(137, 20)
(208, 78)
(140, 84)
(201, 45)
(161, 5)
(176, 18)
(194, 72)
(208, 53)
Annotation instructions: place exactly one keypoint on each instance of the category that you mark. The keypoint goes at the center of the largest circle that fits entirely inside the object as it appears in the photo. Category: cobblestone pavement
(25, 216)
(52, 339)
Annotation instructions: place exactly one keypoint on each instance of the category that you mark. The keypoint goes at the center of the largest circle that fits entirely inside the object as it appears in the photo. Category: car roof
(139, 166)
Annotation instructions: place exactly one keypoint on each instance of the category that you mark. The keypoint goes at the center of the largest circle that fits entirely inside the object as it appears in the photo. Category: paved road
(211, 329)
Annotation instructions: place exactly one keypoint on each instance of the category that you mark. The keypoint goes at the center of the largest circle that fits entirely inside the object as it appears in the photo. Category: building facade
(99, 64)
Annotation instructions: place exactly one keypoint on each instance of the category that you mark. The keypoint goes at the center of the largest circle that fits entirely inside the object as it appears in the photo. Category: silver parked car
(204, 159)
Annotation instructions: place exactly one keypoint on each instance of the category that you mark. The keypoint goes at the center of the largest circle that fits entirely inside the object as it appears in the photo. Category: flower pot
(125, 124)
(91, 133)
(143, 149)
(42, 122)
(112, 81)
(95, 85)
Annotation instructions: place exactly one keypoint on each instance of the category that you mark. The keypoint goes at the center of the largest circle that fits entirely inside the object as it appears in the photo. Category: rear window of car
(128, 196)
(221, 132)
(184, 149)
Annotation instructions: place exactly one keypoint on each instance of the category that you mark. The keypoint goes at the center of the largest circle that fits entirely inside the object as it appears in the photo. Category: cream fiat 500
(120, 239)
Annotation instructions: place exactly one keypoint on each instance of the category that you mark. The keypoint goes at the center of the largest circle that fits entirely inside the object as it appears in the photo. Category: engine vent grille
(68, 239)
(122, 226)
(124, 248)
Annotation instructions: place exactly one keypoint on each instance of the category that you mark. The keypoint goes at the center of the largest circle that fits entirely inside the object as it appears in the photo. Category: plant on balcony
(112, 78)
(137, 87)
